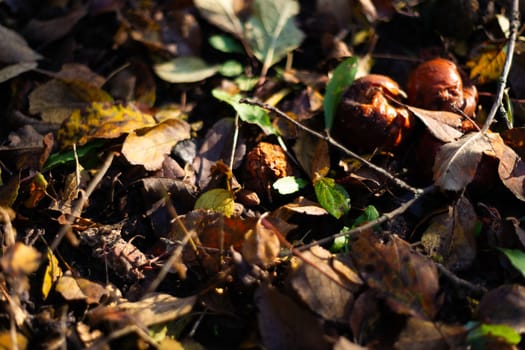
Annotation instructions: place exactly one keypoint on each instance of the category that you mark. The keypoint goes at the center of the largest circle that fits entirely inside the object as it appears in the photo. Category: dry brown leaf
(46, 31)
(320, 163)
(324, 289)
(442, 124)
(425, 335)
(158, 308)
(407, 280)
(286, 325)
(15, 70)
(456, 162)
(149, 147)
(450, 236)
(261, 245)
(504, 305)
(343, 343)
(20, 259)
(68, 287)
(14, 48)
(511, 168)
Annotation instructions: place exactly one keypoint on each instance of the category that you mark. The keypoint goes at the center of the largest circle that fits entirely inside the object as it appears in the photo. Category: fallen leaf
(7, 342)
(488, 65)
(442, 124)
(149, 147)
(185, 70)
(511, 168)
(261, 245)
(456, 162)
(102, 120)
(272, 32)
(222, 14)
(325, 290)
(504, 305)
(286, 325)
(52, 274)
(49, 30)
(332, 196)
(408, 281)
(217, 199)
(425, 335)
(20, 259)
(68, 287)
(450, 236)
(14, 48)
(15, 70)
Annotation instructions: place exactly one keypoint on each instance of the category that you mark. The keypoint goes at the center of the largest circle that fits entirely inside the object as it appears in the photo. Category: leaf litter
(147, 203)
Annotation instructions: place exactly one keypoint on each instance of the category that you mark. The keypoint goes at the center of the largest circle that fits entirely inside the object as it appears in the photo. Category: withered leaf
(450, 236)
(504, 305)
(425, 335)
(442, 124)
(261, 245)
(325, 290)
(102, 120)
(407, 280)
(286, 325)
(20, 259)
(14, 48)
(511, 168)
(46, 31)
(457, 161)
(151, 146)
(15, 70)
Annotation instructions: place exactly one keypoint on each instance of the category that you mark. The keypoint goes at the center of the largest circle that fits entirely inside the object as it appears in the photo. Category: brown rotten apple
(438, 85)
(368, 118)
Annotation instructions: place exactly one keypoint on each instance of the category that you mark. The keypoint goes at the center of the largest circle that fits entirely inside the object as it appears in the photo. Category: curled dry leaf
(149, 147)
(450, 236)
(325, 290)
(14, 48)
(261, 245)
(407, 280)
(442, 124)
(456, 162)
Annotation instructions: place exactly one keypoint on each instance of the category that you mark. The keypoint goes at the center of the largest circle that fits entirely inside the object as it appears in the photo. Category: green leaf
(218, 199)
(225, 43)
(59, 158)
(369, 214)
(289, 184)
(231, 68)
(333, 197)
(476, 337)
(222, 14)
(272, 32)
(185, 70)
(246, 83)
(342, 76)
(516, 257)
(247, 113)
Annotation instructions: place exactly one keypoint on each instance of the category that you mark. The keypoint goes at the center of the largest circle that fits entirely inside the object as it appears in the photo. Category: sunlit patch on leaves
(248, 113)
(52, 274)
(217, 199)
(185, 70)
(504, 305)
(261, 245)
(231, 68)
(488, 65)
(68, 156)
(369, 214)
(333, 197)
(342, 77)
(149, 147)
(289, 185)
(102, 120)
(486, 336)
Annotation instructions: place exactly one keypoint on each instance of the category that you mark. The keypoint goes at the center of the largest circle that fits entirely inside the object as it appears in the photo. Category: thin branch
(77, 210)
(370, 224)
(400, 183)
(478, 290)
(514, 24)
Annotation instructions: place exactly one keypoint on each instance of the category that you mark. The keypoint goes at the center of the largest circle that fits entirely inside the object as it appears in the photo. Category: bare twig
(400, 183)
(514, 24)
(370, 224)
(478, 290)
(77, 210)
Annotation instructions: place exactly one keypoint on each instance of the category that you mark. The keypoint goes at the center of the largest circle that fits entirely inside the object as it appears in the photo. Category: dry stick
(400, 183)
(479, 290)
(370, 224)
(77, 209)
(514, 24)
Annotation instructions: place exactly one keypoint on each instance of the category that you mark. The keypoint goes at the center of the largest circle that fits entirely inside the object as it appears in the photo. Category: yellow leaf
(218, 199)
(102, 120)
(52, 274)
(150, 147)
(487, 66)
(6, 341)
(20, 259)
